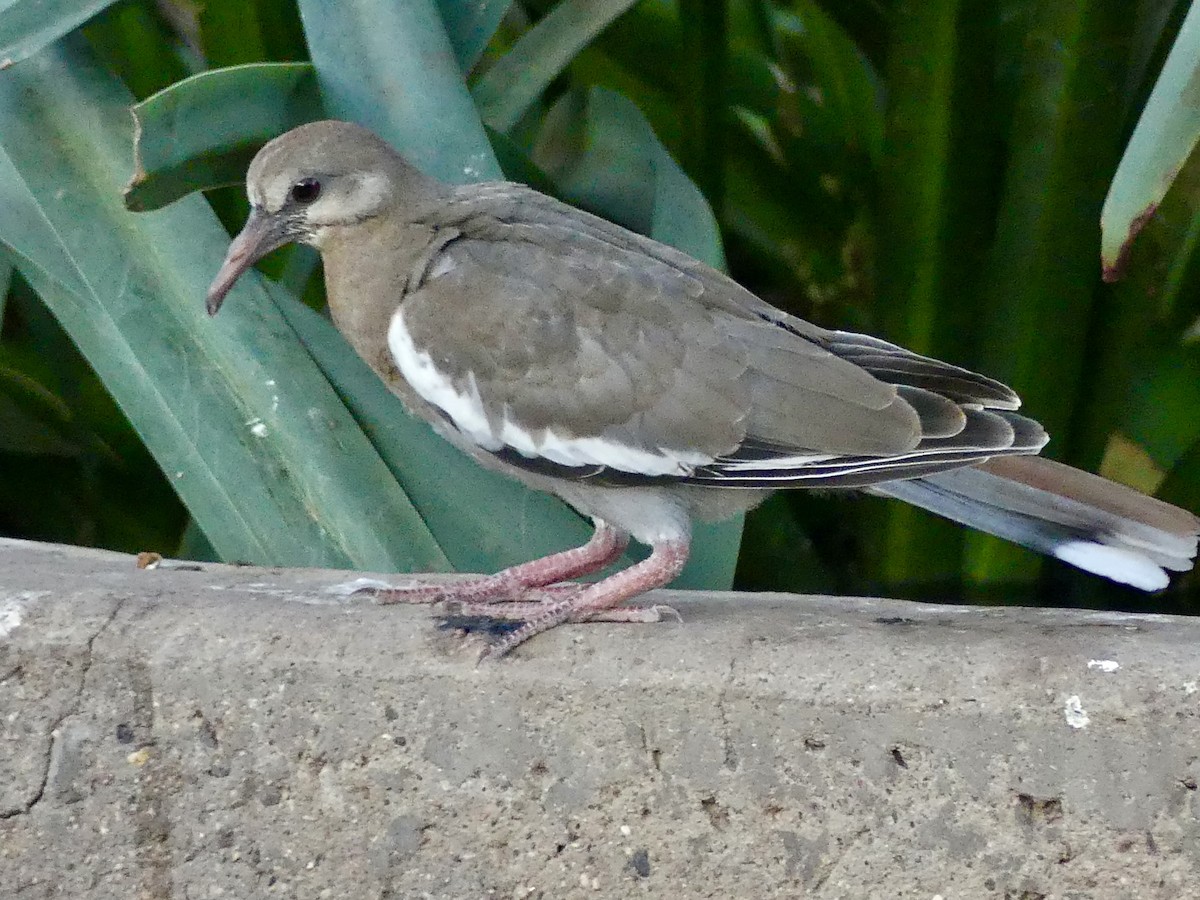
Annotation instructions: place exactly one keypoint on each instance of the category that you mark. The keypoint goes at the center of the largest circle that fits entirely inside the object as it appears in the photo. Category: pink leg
(665, 562)
(604, 547)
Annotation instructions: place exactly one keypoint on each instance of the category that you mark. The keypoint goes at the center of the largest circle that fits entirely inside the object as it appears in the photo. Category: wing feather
(597, 353)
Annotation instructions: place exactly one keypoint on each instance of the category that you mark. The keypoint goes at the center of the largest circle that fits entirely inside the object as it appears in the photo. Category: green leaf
(1135, 339)
(838, 90)
(470, 24)
(702, 27)
(389, 66)
(36, 422)
(603, 155)
(509, 88)
(230, 32)
(26, 26)
(1164, 137)
(1173, 383)
(135, 43)
(6, 274)
(245, 426)
(202, 132)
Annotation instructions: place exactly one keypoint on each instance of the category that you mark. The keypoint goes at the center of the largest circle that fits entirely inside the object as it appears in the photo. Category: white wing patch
(466, 411)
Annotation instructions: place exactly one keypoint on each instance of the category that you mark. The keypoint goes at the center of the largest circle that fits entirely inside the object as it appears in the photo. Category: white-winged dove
(645, 388)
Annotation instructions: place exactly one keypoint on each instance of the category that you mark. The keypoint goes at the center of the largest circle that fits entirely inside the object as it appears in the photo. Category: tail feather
(1083, 519)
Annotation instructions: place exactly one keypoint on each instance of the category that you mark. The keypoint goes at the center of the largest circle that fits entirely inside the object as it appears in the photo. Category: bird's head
(312, 179)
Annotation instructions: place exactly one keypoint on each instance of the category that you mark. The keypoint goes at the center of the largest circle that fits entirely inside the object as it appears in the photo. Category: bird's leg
(603, 548)
(666, 560)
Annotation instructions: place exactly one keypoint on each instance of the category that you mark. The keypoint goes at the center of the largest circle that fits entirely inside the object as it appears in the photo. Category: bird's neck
(367, 267)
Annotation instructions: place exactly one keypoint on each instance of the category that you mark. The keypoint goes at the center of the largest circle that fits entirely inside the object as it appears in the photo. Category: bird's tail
(1085, 520)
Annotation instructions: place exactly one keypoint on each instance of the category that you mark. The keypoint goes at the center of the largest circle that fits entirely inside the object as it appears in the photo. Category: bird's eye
(306, 190)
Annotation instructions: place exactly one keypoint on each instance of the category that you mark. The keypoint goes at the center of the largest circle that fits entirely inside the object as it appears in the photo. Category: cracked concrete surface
(237, 732)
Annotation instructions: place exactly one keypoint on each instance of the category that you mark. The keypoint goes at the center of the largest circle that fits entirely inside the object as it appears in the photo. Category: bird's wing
(564, 343)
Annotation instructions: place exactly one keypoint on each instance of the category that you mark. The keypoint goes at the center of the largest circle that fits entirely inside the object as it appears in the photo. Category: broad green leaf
(509, 88)
(203, 131)
(1164, 137)
(705, 79)
(26, 26)
(470, 24)
(1134, 347)
(245, 426)
(1172, 383)
(389, 66)
(603, 155)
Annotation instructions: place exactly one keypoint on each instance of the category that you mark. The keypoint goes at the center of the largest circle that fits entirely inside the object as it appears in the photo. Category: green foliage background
(928, 170)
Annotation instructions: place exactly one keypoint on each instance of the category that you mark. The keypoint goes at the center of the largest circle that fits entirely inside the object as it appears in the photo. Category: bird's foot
(524, 610)
(495, 623)
(417, 593)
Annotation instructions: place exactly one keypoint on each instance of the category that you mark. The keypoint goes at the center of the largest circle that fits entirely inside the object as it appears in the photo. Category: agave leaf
(470, 24)
(390, 66)
(511, 86)
(202, 132)
(245, 426)
(26, 26)
(1165, 135)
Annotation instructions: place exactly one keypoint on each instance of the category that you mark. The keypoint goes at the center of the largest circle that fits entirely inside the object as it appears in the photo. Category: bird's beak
(259, 236)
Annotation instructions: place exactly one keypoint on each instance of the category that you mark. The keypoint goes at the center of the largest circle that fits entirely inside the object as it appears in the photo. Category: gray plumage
(637, 383)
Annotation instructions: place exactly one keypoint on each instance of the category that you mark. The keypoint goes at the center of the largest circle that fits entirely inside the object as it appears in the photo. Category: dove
(647, 389)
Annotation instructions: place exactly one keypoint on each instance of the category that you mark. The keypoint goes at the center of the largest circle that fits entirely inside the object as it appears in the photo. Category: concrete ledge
(240, 732)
